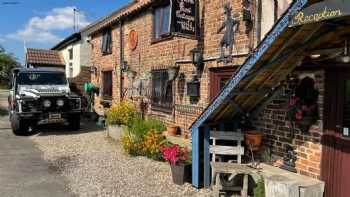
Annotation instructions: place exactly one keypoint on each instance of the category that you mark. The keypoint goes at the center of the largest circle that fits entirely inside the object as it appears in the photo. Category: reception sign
(321, 11)
(184, 17)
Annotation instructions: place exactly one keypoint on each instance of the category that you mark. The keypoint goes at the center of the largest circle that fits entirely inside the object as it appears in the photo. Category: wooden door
(218, 79)
(336, 140)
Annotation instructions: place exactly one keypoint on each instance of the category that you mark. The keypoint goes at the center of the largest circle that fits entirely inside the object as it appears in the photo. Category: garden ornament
(231, 25)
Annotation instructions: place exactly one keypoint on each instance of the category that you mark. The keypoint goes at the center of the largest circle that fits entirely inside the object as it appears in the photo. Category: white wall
(268, 15)
(76, 61)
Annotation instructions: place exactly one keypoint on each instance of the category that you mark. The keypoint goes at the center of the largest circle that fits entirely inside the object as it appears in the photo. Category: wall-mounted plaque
(184, 17)
(133, 39)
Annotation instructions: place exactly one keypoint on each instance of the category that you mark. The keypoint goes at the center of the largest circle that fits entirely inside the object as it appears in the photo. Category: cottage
(163, 54)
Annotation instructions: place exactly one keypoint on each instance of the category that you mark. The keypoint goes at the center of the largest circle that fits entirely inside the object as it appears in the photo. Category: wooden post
(206, 157)
(195, 157)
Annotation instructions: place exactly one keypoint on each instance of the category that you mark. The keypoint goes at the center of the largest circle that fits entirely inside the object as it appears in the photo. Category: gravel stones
(96, 166)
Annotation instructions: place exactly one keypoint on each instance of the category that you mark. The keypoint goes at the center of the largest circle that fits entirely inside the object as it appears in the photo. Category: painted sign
(133, 39)
(321, 11)
(184, 17)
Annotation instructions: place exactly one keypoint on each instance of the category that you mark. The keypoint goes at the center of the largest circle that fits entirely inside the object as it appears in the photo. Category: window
(161, 21)
(162, 90)
(106, 47)
(107, 85)
(70, 70)
(70, 51)
(219, 77)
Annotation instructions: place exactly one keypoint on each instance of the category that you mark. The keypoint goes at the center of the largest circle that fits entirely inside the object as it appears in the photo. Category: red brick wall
(273, 123)
(152, 55)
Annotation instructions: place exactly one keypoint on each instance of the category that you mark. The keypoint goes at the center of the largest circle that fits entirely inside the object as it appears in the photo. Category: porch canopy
(321, 28)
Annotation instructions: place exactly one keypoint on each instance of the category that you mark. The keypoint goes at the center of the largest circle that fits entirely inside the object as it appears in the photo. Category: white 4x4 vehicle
(41, 96)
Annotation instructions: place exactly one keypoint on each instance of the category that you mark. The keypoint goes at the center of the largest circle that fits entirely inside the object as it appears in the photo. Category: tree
(7, 62)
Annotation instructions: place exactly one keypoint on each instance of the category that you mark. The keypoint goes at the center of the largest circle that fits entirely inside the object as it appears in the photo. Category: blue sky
(42, 23)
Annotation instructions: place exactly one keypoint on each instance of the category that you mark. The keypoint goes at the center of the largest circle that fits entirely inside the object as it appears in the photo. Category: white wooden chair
(221, 150)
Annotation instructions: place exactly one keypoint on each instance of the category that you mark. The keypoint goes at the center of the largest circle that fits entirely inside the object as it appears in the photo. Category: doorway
(335, 164)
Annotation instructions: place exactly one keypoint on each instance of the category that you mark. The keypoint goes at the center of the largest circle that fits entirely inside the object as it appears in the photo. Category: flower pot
(253, 139)
(172, 130)
(181, 173)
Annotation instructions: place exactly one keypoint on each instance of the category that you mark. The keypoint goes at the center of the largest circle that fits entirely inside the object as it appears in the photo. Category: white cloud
(2, 40)
(41, 29)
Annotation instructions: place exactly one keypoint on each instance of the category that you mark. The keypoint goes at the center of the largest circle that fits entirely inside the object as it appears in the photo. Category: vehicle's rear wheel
(19, 127)
(74, 123)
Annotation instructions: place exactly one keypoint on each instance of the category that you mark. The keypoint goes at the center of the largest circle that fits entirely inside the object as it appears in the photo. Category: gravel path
(96, 166)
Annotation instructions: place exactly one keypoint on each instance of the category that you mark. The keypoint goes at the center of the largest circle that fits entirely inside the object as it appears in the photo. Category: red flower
(304, 108)
(175, 154)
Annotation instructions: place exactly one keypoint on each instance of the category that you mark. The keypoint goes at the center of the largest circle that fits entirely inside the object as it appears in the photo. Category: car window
(42, 78)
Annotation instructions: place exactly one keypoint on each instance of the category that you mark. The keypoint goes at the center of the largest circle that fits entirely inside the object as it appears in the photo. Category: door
(335, 167)
(219, 77)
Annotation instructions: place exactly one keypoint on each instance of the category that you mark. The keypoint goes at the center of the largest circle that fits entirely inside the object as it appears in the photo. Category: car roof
(22, 69)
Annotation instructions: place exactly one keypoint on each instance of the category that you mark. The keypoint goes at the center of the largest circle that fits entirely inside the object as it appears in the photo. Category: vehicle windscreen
(41, 78)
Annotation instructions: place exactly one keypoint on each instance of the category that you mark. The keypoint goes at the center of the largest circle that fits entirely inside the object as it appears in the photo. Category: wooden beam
(195, 157)
(206, 157)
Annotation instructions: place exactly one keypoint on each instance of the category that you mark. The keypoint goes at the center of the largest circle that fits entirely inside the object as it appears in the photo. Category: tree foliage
(7, 62)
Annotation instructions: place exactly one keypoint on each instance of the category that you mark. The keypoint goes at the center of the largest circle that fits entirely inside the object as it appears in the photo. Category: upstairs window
(162, 90)
(161, 21)
(106, 47)
(70, 51)
(107, 89)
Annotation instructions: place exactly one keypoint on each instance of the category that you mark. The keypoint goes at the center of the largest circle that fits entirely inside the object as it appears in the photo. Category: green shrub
(259, 190)
(154, 124)
(121, 113)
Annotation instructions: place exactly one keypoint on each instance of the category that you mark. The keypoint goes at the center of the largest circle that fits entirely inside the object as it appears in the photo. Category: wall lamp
(197, 58)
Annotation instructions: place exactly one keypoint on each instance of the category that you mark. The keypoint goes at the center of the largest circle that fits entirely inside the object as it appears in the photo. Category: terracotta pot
(172, 130)
(253, 139)
(181, 173)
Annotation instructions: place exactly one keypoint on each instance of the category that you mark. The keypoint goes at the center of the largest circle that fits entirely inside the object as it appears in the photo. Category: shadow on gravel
(86, 126)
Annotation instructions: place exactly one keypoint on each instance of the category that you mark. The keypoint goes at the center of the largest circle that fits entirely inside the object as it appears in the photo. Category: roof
(44, 57)
(259, 78)
(69, 40)
(119, 15)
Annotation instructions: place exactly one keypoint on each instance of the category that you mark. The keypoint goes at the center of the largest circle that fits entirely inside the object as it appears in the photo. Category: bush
(144, 138)
(151, 145)
(259, 190)
(121, 113)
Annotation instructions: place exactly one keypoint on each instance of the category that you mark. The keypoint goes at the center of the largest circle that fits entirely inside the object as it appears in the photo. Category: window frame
(108, 97)
(107, 38)
(160, 21)
(165, 101)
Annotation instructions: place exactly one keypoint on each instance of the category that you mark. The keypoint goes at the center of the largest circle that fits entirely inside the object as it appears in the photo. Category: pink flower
(299, 115)
(293, 101)
(175, 154)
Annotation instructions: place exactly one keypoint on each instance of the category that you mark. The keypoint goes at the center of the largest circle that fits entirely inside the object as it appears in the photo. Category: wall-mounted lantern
(345, 57)
(197, 58)
(173, 71)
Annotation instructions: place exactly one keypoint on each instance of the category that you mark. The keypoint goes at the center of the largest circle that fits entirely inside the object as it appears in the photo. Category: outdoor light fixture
(345, 58)
(93, 70)
(197, 58)
(315, 56)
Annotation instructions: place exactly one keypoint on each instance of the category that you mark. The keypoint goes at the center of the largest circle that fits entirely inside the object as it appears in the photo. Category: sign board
(321, 11)
(184, 17)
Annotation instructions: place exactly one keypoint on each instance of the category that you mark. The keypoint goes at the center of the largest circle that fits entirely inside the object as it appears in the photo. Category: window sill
(160, 108)
(162, 38)
(106, 53)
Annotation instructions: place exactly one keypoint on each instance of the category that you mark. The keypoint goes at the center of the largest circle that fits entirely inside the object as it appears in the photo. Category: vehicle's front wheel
(74, 123)
(19, 127)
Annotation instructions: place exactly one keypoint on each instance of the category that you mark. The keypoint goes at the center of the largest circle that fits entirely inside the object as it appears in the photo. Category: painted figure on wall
(231, 25)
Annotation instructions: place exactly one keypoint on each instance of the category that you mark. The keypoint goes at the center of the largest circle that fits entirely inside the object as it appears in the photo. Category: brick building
(133, 48)
(131, 37)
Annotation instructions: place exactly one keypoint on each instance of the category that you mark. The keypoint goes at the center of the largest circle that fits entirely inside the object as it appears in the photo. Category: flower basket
(181, 173)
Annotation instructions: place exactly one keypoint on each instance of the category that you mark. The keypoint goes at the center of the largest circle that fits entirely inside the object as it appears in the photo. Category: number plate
(54, 116)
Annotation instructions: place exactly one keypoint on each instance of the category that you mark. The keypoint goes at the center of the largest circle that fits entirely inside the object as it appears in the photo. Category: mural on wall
(231, 25)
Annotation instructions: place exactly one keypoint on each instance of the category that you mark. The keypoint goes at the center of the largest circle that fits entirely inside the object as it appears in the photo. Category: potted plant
(180, 162)
(119, 117)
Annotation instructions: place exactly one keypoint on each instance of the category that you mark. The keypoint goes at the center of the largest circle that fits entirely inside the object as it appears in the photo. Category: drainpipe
(121, 35)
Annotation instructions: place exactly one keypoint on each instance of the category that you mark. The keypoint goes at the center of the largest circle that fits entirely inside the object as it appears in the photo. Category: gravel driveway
(96, 166)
